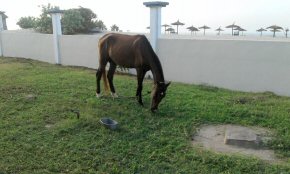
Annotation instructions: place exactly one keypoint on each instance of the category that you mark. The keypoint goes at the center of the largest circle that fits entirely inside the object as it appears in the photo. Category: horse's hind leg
(100, 71)
(98, 78)
(110, 77)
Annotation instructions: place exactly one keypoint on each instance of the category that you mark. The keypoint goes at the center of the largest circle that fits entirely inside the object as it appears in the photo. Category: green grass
(43, 135)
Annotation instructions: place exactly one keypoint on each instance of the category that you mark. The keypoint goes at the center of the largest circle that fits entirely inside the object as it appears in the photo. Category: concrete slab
(212, 137)
(242, 136)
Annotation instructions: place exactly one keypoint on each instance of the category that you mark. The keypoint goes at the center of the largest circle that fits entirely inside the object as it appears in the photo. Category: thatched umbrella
(195, 30)
(286, 32)
(233, 26)
(177, 23)
(261, 30)
(165, 26)
(219, 30)
(171, 30)
(275, 29)
(204, 28)
(240, 29)
(192, 29)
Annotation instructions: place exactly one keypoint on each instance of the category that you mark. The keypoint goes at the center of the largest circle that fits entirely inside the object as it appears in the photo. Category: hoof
(98, 95)
(114, 95)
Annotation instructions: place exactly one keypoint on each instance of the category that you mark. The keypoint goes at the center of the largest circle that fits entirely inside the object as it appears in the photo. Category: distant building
(4, 20)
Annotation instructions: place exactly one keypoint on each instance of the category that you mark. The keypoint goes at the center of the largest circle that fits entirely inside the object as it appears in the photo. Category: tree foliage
(100, 24)
(72, 22)
(114, 28)
(89, 18)
(27, 22)
(79, 20)
(76, 20)
(43, 23)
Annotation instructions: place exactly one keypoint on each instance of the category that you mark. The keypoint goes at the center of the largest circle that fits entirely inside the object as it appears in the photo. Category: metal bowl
(109, 123)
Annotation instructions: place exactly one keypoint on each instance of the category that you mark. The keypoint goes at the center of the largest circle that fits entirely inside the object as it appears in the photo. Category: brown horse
(131, 52)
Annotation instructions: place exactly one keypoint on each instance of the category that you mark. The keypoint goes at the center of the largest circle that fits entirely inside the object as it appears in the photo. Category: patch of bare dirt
(236, 140)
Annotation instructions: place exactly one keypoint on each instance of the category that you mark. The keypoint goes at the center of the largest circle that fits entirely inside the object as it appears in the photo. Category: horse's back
(123, 39)
(125, 50)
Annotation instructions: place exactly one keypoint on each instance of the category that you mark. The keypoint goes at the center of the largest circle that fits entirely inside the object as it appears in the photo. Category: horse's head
(158, 93)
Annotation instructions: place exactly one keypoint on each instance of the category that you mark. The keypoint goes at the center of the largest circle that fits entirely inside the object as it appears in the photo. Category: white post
(1, 29)
(155, 25)
(1, 22)
(155, 21)
(56, 26)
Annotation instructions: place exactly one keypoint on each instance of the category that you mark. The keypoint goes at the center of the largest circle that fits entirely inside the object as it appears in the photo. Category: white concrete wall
(234, 64)
(80, 50)
(239, 64)
(28, 45)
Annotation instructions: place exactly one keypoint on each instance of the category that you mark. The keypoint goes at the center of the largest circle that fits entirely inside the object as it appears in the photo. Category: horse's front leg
(139, 94)
(140, 77)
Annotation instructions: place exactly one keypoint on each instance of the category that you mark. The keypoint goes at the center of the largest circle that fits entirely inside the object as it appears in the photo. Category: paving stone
(212, 137)
(241, 136)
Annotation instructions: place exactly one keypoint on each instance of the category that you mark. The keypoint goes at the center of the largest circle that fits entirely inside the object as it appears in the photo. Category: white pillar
(56, 26)
(1, 29)
(155, 21)
(155, 25)
(1, 23)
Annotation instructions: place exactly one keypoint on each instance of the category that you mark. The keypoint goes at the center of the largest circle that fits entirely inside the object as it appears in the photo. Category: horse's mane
(147, 48)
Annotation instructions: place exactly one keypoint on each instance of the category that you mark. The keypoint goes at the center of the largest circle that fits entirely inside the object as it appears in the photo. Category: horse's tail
(102, 53)
(106, 84)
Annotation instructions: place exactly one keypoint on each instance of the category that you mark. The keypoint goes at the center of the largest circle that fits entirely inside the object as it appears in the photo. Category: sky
(132, 15)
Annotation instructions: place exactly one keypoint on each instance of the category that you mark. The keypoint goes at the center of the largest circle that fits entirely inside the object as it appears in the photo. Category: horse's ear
(167, 84)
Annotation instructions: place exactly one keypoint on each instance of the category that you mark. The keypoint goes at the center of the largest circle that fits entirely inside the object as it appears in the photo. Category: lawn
(41, 134)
